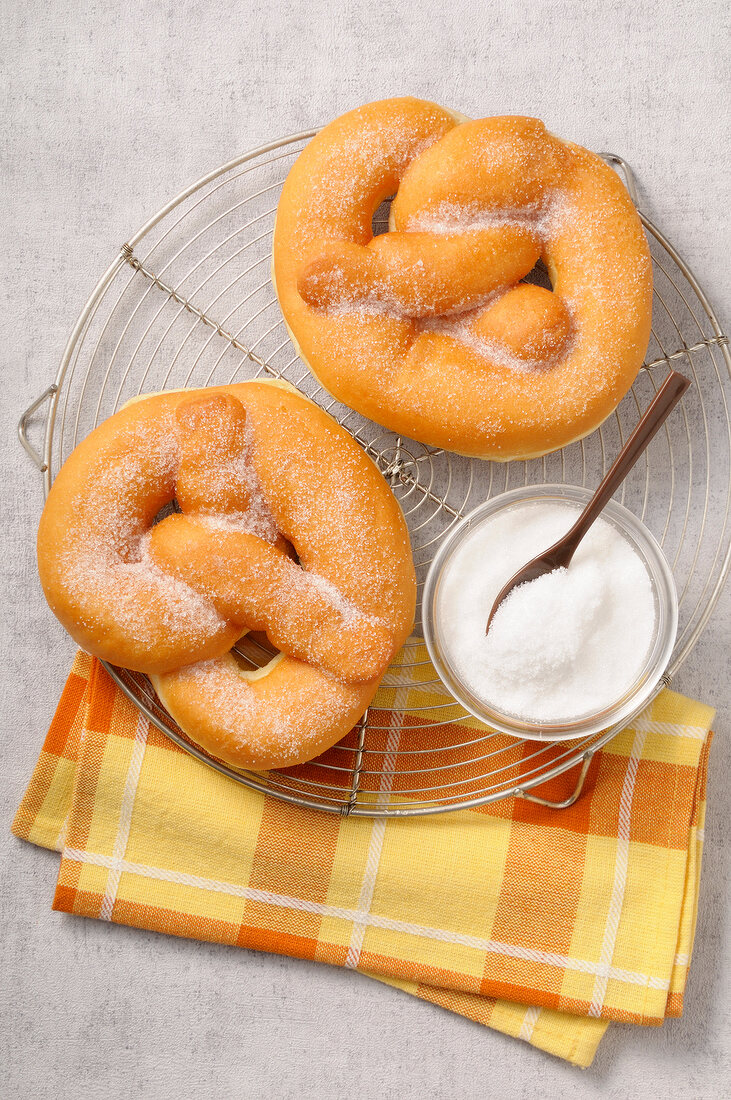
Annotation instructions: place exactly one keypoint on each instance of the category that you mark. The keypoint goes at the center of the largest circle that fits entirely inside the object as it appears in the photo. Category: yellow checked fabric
(543, 924)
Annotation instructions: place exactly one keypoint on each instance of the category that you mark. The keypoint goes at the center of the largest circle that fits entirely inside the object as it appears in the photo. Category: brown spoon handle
(655, 416)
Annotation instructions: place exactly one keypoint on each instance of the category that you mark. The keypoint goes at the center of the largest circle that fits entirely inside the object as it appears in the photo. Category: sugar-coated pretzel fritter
(285, 526)
(428, 328)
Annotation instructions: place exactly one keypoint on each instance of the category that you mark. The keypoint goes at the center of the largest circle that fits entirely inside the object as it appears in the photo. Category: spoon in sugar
(560, 554)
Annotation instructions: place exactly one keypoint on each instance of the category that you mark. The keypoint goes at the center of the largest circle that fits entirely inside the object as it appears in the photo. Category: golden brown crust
(418, 329)
(256, 469)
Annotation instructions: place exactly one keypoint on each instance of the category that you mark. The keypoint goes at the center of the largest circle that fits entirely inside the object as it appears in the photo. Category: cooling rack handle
(623, 169)
(23, 427)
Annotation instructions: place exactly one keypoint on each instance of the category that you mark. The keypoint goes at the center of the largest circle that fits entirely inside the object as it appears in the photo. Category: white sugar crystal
(565, 645)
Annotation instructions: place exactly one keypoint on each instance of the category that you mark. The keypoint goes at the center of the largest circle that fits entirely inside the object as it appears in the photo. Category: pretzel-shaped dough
(259, 473)
(428, 329)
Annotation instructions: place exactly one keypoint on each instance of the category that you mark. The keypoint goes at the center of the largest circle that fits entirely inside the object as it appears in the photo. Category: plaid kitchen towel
(544, 924)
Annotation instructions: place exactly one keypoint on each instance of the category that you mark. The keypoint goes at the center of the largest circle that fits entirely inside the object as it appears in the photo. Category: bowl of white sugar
(574, 652)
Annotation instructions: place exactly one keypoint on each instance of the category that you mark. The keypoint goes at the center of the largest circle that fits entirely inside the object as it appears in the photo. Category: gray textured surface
(112, 110)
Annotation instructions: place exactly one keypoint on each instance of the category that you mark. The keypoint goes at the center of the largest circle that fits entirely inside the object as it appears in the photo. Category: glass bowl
(666, 624)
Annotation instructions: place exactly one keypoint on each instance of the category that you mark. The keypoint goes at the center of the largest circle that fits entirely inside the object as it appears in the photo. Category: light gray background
(109, 108)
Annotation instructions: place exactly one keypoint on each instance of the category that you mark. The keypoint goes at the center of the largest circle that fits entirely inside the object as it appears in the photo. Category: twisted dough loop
(256, 586)
(262, 477)
(420, 274)
(251, 583)
(428, 328)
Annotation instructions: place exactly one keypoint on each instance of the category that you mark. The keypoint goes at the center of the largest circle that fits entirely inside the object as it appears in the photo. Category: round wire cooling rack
(188, 301)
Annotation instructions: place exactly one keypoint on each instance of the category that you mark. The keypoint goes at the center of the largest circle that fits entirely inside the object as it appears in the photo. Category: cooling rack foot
(572, 797)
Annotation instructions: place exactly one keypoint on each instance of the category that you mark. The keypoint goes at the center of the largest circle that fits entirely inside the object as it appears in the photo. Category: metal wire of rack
(188, 301)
